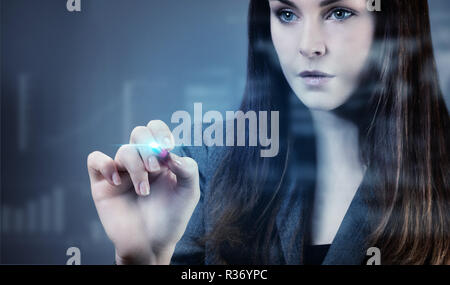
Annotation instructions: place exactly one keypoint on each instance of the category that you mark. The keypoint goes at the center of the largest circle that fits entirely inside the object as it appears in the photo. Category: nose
(312, 43)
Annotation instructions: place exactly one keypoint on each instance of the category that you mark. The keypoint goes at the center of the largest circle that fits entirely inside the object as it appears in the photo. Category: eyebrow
(328, 2)
(323, 3)
(287, 2)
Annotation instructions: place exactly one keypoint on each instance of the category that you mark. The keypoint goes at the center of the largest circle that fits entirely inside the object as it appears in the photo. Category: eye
(286, 16)
(340, 14)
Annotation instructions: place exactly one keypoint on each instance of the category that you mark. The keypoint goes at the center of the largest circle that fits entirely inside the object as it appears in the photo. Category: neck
(337, 142)
(339, 173)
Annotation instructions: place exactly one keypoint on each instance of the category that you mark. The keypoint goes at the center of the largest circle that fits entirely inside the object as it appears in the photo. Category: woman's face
(322, 46)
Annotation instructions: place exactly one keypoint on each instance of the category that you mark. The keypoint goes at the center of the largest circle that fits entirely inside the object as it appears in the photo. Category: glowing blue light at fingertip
(154, 145)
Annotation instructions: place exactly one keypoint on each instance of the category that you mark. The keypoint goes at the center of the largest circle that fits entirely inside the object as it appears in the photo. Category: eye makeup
(335, 11)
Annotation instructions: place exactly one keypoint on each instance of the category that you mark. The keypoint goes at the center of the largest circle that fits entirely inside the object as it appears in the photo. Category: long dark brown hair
(404, 141)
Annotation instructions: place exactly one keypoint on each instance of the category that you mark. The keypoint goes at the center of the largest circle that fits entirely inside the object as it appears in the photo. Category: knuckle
(137, 170)
(122, 152)
(136, 131)
(92, 157)
(192, 164)
(138, 175)
(131, 160)
(124, 149)
(156, 124)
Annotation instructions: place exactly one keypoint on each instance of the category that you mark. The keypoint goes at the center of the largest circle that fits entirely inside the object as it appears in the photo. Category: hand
(144, 203)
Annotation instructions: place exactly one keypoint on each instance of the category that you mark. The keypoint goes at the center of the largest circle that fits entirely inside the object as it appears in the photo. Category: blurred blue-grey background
(72, 83)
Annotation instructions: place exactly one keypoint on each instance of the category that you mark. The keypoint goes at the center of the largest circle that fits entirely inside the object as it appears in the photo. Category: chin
(319, 101)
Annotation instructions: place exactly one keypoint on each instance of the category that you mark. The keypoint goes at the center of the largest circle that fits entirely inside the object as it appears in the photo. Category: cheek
(285, 45)
(350, 45)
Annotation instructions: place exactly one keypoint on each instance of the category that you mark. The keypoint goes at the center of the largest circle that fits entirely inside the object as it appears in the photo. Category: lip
(315, 78)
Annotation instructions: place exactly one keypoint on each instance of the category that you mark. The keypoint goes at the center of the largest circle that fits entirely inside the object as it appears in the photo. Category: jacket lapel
(349, 245)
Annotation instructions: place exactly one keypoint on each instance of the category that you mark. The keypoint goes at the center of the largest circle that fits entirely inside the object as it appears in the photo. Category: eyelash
(346, 11)
(280, 15)
(329, 14)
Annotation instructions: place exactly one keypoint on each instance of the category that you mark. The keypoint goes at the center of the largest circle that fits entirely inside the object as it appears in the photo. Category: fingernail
(167, 142)
(144, 188)
(116, 179)
(153, 164)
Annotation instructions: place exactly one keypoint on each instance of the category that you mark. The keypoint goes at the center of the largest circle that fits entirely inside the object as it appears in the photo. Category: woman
(359, 101)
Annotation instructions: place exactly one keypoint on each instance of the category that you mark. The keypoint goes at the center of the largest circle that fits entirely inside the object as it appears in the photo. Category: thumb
(185, 169)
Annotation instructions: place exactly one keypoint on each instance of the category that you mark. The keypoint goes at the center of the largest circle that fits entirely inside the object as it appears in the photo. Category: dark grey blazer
(348, 247)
